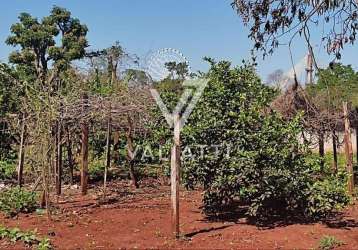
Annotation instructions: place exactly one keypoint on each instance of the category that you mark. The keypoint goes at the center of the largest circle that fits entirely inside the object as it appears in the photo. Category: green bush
(29, 238)
(17, 200)
(96, 168)
(267, 169)
(7, 170)
(326, 196)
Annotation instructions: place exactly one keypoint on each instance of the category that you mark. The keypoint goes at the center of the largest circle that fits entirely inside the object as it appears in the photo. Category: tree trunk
(348, 148)
(114, 72)
(20, 167)
(334, 143)
(130, 154)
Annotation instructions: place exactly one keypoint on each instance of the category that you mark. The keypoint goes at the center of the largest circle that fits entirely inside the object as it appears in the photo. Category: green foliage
(325, 196)
(267, 168)
(180, 70)
(168, 85)
(335, 84)
(29, 237)
(44, 244)
(17, 200)
(96, 168)
(7, 169)
(38, 39)
(9, 103)
(270, 23)
(329, 242)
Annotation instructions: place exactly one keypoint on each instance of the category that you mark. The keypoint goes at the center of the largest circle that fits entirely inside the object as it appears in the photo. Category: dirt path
(142, 220)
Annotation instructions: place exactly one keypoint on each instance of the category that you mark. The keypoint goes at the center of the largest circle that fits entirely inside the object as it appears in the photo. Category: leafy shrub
(329, 242)
(7, 170)
(96, 168)
(267, 169)
(17, 200)
(29, 237)
(326, 196)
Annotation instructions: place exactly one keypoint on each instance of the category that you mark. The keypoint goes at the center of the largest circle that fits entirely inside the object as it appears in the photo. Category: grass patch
(329, 242)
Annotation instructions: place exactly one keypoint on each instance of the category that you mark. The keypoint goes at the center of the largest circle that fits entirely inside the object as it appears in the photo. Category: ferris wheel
(155, 63)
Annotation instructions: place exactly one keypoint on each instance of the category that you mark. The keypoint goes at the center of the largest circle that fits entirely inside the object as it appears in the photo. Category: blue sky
(197, 28)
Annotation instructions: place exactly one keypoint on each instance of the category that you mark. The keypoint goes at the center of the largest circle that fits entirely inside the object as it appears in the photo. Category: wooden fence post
(20, 167)
(69, 155)
(58, 164)
(84, 153)
(108, 145)
(174, 176)
(348, 148)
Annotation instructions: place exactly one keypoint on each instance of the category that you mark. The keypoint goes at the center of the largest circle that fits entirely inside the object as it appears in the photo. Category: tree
(335, 84)
(38, 44)
(46, 50)
(171, 67)
(182, 70)
(113, 54)
(275, 78)
(272, 21)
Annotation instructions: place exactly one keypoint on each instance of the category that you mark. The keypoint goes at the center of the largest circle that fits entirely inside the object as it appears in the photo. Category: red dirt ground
(141, 219)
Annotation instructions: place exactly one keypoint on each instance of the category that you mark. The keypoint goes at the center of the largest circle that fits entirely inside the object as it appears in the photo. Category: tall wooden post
(108, 144)
(58, 164)
(335, 159)
(84, 154)
(20, 167)
(69, 155)
(348, 148)
(174, 176)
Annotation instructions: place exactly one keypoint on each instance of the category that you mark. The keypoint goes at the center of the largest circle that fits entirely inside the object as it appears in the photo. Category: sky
(196, 28)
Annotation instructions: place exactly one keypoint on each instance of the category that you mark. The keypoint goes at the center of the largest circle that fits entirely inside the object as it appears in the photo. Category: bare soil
(141, 219)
